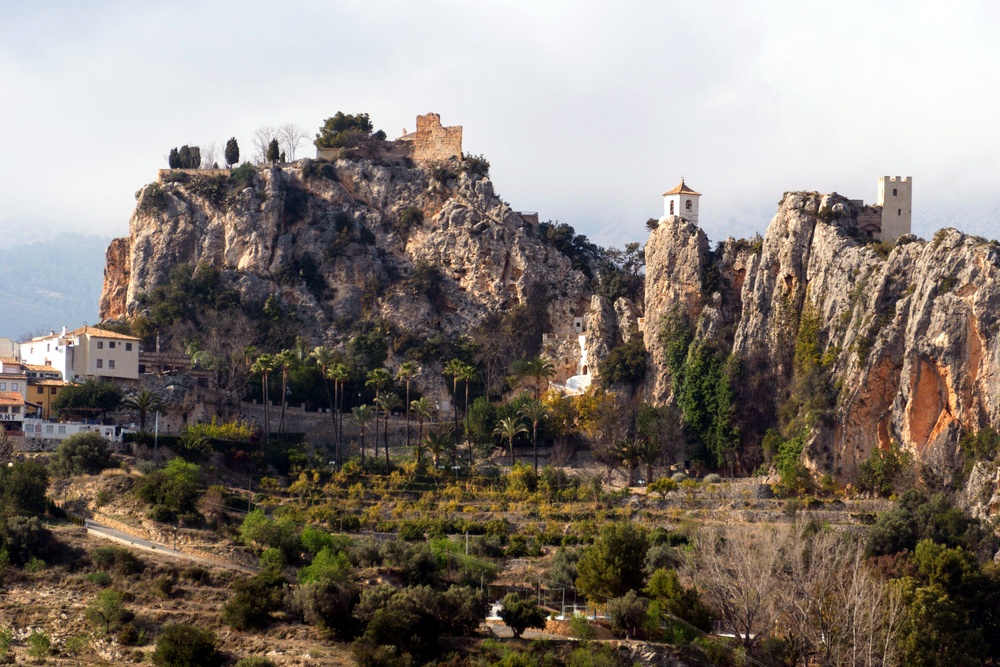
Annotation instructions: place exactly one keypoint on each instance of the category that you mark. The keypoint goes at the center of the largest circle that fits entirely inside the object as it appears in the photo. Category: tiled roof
(681, 189)
(40, 368)
(46, 383)
(99, 333)
(11, 398)
(9, 360)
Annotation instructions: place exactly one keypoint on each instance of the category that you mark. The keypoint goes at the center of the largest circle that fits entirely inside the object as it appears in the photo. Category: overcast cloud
(587, 111)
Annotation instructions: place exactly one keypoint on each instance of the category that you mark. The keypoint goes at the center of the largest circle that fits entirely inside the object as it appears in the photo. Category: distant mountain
(51, 283)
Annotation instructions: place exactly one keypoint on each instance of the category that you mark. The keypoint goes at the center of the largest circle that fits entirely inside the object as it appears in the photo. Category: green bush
(407, 219)
(99, 578)
(254, 601)
(182, 645)
(614, 564)
(328, 605)
(24, 539)
(627, 614)
(663, 485)
(244, 175)
(39, 645)
(172, 491)
(84, 453)
(678, 477)
(107, 611)
(119, 560)
(327, 565)
(519, 614)
(712, 479)
(882, 468)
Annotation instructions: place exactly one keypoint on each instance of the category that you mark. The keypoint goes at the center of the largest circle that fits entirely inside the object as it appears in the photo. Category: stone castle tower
(682, 202)
(895, 196)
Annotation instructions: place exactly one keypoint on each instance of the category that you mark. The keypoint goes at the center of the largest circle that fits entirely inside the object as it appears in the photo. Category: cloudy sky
(587, 111)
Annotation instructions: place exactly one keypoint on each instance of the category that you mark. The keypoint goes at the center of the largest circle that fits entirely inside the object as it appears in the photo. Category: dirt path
(106, 532)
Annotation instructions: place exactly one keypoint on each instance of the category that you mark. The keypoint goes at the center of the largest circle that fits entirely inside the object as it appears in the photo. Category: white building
(682, 202)
(87, 352)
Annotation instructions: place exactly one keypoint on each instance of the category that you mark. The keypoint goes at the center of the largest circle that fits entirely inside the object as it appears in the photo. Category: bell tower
(681, 202)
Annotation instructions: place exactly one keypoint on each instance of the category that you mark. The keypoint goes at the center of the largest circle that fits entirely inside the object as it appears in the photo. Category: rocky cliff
(903, 339)
(428, 249)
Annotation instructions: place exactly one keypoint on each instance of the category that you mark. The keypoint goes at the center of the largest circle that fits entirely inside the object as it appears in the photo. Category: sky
(587, 111)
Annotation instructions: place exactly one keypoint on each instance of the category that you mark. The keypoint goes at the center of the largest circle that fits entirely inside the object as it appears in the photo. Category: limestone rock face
(428, 249)
(676, 257)
(908, 334)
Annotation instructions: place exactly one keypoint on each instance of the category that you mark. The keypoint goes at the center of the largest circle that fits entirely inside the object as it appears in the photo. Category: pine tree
(273, 151)
(232, 152)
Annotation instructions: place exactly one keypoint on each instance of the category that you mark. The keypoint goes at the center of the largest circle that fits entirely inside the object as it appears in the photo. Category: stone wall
(434, 143)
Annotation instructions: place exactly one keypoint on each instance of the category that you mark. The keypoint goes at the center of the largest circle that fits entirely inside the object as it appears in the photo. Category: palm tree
(387, 403)
(143, 402)
(379, 380)
(264, 364)
(454, 369)
(325, 358)
(423, 410)
(283, 360)
(629, 453)
(508, 429)
(363, 415)
(538, 369)
(339, 374)
(534, 411)
(437, 443)
(467, 374)
(649, 452)
(407, 371)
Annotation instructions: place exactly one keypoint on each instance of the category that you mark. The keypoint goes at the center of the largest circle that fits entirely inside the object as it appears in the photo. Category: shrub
(328, 605)
(164, 586)
(477, 165)
(24, 539)
(327, 565)
(117, 559)
(613, 565)
(882, 468)
(261, 532)
(407, 219)
(663, 486)
(107, 611)
(580, 627)
(712, 479)
(520, 614)
(678, 477)
(255, 599)
(39, 645)
(244, 175)
(256, 661)
(84, 453)
(22, 489)
(171, 491)
(99, 578)
(627, 614)
(182, 645)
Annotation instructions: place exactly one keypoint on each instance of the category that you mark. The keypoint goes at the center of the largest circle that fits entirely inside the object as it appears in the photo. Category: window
(100, 345)
(128, 347)
(48, 347)
(14, 387)
(62, 429)
(111, 364)
(111, 344)
(16, 409)
(142, 369)
(49, 428)
(894, 192)
(687, 205)
(55, 390)
(899, 212)
(100, 363)
(41, 390)
(671, 207)
(3, 386)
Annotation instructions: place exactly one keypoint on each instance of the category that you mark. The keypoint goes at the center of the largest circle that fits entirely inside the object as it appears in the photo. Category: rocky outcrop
(908, 334)
(426, 248)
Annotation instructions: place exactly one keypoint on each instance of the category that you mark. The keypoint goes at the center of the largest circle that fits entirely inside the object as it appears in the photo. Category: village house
(85, 353)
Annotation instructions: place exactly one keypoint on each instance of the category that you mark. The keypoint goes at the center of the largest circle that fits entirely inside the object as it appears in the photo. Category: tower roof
(682, 189)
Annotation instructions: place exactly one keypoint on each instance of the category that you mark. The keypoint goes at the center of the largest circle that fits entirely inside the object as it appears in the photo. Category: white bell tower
(682, 202)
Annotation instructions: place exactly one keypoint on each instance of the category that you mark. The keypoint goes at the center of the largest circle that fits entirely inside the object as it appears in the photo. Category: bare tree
(737, 570)
(291, 136)
(209, 156)
(262, 137)
(6, 446)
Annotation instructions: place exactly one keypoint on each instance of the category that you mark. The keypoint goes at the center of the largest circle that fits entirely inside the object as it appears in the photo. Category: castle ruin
(432, 142)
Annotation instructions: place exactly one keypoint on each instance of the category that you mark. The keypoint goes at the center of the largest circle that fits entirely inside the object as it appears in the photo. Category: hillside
(50, 283)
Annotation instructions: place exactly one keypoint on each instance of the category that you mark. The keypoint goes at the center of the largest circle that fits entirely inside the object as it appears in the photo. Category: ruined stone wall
(434, 143)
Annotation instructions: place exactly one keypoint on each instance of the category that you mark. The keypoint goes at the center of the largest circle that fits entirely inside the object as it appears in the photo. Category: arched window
(899, 212)
(687, 205)
(894, 192)
(671, 207)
